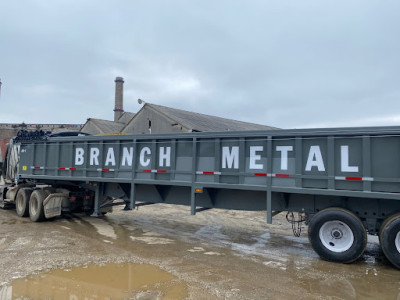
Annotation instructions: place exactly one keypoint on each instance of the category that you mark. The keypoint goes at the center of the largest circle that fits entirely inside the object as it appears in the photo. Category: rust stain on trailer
(112, 281)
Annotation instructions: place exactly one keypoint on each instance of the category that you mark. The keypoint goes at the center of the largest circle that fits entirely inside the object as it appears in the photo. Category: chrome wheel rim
(337, 236)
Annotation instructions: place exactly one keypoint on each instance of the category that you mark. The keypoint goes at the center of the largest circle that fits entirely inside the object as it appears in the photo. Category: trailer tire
(36, 208)
(389, 238)
(22, 202)
(337, 235)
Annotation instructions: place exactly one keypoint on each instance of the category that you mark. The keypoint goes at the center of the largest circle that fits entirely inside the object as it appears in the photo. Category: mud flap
(52, 205)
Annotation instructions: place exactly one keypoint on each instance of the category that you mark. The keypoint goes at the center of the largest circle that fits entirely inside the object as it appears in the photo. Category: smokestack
(119, 99)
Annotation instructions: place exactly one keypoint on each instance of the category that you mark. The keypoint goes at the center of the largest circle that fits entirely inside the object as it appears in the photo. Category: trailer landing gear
(337, 235)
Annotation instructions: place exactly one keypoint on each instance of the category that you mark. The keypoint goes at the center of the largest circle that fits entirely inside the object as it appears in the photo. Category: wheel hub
(337, 233)
(336, 236)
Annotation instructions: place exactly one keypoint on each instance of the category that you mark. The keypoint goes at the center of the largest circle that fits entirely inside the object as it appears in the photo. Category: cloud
(286, 64)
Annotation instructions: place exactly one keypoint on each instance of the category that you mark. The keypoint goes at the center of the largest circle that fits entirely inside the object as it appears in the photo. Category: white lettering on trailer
(284, 155)
(230, 158)
(94, 156)
(127, 157)
(144, 161)
(344, 151)
(315, 159)
(110, 158)
(79, 158)
(165, 155)
(254, 157)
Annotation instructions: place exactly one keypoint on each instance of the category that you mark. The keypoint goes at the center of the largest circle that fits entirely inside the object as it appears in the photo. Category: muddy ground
(217, 254)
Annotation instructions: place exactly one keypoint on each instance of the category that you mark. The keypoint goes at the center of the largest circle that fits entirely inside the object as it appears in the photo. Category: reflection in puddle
(113, 281)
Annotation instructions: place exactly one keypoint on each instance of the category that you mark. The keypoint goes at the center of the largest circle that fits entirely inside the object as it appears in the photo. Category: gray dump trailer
(344, 183)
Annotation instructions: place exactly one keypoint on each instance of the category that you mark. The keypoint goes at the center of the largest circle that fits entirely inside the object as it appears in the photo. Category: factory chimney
(119, 98)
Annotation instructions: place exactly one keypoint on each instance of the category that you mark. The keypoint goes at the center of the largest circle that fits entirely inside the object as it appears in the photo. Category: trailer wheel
(389, 238)
(22, 202)
(36, 208)
(337, 235)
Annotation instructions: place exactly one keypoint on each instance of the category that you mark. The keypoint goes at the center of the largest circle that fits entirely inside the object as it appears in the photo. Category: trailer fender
(52, 204)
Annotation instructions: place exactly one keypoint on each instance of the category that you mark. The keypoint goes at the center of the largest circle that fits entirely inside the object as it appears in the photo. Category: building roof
(102, 126)
(191, 121)
(126, 117)
(201, 122)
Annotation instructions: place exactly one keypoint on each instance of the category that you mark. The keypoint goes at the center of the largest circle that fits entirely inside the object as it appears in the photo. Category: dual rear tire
(30, 203)
(36, 208)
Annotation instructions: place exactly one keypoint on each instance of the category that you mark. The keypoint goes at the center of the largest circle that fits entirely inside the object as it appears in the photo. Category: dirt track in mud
(217, 254)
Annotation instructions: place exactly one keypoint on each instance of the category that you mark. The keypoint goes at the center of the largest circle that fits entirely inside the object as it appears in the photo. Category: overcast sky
(289, 64)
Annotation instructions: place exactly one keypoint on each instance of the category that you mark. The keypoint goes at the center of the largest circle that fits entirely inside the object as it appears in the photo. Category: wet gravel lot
(217, 254)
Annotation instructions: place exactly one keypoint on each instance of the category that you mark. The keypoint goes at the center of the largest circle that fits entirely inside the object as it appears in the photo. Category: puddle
(112, 281)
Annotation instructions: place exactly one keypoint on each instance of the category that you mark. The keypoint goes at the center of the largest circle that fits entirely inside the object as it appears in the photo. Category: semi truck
(344, 183)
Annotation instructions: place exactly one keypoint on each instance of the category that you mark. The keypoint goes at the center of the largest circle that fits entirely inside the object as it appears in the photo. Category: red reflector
(282, 175)
(354, 178)
(161, 171)
(260, 174)
(146, 171)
